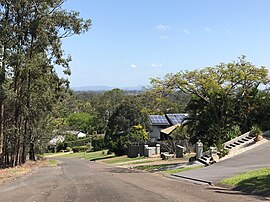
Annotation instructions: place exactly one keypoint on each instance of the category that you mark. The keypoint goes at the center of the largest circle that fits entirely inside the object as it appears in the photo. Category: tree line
(30, 89)
(223, 99)
(119, 115)
(222, 102)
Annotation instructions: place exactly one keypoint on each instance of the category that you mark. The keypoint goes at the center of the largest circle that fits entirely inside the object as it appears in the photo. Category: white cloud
(156, 65)
(163, 27)
(134, 66)
(186, 31)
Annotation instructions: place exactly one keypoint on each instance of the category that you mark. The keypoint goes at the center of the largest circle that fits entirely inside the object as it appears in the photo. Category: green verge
(165, 168)
(178, 170)
(88, 155)
(152, 168)
(254, 181)
(121, 159)
(141, 162)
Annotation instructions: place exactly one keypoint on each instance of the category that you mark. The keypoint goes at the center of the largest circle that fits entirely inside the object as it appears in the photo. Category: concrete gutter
(193, 179)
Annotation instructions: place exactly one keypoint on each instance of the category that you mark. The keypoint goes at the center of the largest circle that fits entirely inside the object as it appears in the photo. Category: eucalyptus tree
(31, 34)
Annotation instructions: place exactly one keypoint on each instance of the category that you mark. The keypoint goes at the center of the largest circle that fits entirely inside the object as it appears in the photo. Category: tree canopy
(121, 125)
(221, 97)
(30, 42)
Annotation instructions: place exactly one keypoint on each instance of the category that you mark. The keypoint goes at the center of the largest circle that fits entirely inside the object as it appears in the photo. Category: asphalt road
(81, 180)
(255, 158)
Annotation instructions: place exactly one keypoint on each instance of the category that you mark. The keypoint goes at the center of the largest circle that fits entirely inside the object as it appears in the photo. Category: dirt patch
(8, 174)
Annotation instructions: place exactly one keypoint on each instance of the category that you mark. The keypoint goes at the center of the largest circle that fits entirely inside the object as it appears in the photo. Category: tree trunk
(1, 132)
(32, 152)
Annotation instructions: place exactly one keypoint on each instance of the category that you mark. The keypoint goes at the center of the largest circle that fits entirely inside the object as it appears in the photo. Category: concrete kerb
(193, 179)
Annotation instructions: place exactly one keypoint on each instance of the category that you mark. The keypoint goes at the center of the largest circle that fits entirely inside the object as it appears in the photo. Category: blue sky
(131, 41)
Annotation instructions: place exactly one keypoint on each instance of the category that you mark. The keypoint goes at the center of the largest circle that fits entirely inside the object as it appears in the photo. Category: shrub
(98, 143)
(234, 132)
(79, 142)
(256, 131)
(223, 152)
(60, 146)
(79, 148)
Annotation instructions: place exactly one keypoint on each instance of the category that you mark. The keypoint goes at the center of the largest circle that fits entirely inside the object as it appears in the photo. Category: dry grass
(8, 174)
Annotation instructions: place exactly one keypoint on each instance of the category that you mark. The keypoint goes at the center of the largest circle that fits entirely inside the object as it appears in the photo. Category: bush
(79, 142)
(223, 152)
(257, 132)
(80, 148)
(98, 143)
(234, 132)
(60, 146)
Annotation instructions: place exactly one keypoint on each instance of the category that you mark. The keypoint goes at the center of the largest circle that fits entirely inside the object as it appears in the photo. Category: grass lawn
(152, 168)
(253, 181)
(178, 170)
(89, 155)
(141, 162)
(165, 168)
(122, 159)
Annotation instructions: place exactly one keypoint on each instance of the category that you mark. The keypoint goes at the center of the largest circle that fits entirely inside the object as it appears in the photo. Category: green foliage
(79, 142)
(30, 37)
(256, 181)
(80, 121)
(80, 148)
(222, 151)
(89, 155)
(138, 133)
(128, 114)
(256, 130)
(261, 113)
(70, 137)
(98, 143)
(221, 97)
(122, 159)
(179, 136)
(178, 170)
(234, 132)
(60, 146)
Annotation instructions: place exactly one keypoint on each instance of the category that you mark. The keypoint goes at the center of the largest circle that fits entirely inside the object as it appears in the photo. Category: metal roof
(159, 120)
(176, 118)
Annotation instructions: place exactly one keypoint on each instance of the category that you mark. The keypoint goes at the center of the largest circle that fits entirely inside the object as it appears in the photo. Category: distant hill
(106, 88)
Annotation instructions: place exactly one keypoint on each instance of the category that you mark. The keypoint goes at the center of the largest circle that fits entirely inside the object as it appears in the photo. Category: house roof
(176, 118)
(159, 120)
(170, 129)
(167, 120)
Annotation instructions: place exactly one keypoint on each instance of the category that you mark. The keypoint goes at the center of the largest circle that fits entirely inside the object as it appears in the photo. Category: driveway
(255, 158)
(82, 180)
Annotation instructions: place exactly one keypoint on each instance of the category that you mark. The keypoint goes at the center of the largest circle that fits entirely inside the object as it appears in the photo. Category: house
(78, 134)
(163, 125)
(61, 138)
(56, 139)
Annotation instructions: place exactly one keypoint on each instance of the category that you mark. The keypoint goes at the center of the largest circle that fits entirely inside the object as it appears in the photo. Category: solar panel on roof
(158, 120)
(176, 118)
